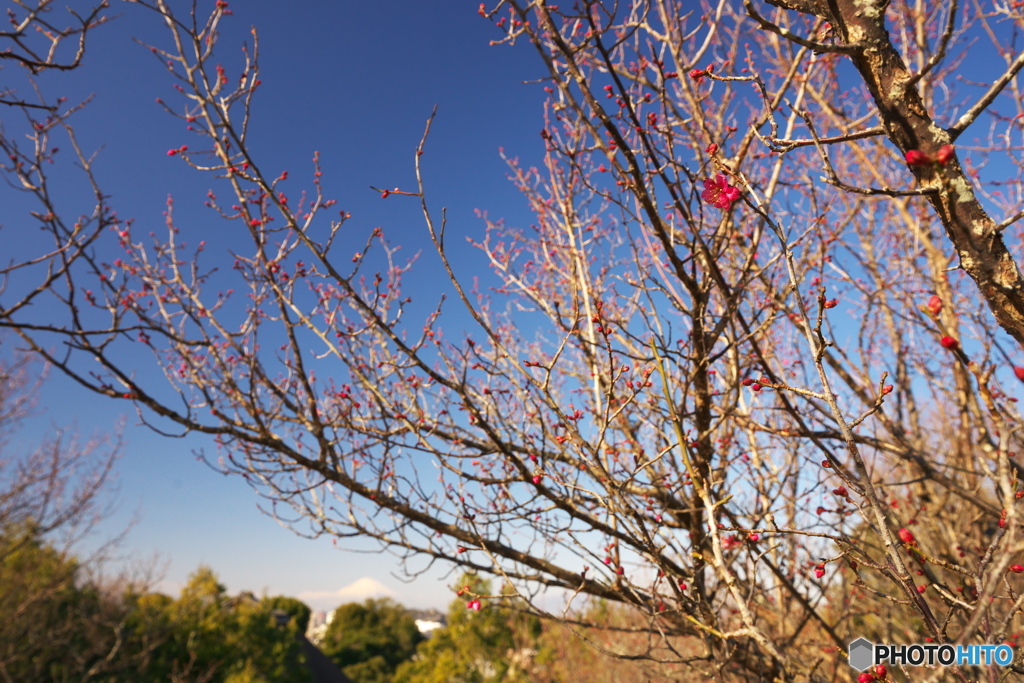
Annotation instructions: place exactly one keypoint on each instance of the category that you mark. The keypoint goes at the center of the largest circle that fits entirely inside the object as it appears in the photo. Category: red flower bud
(934, 304)
(916, 157)
(712, 148)
(922, 589)
(1019, 371)
(949, 343)
(905, 535)
(819, 571)
(1016, 568)
(945, 154)
(866, 677)
(881, 671)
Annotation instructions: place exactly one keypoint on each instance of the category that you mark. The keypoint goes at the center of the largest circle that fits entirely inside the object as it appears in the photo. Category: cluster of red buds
(699, 74)
(916, 157)
(878, 674)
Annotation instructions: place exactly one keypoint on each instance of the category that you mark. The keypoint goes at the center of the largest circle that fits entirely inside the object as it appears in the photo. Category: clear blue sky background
(356, 81)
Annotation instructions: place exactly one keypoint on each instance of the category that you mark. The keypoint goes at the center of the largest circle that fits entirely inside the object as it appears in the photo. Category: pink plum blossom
(719, 192)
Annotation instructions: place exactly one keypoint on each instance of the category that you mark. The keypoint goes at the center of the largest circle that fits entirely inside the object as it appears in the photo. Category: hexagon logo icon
(861, 651)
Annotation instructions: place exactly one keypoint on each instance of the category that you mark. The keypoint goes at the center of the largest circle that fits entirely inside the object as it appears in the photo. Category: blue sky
(355, 81)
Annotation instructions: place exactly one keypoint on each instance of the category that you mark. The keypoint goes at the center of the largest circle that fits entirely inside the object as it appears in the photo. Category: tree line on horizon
(63, 623)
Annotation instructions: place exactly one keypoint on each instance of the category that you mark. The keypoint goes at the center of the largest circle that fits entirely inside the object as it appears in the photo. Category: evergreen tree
(369, 640)
(217, 638)
(492, 643)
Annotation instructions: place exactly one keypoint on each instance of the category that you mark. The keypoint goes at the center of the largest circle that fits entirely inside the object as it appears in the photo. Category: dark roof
(320, 666)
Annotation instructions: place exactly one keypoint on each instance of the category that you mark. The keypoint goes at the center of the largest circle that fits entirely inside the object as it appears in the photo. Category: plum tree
(739, 348)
